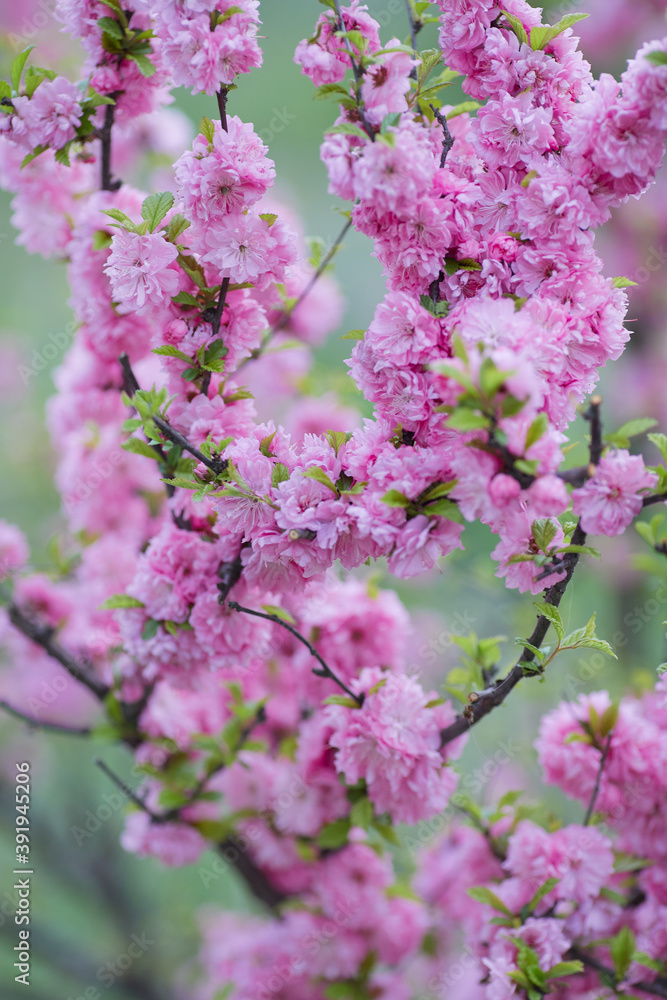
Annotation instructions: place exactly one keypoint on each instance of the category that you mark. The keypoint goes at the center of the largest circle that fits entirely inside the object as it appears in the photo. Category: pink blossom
(13, 549)
(612, 498)
(174, 844)
(52, 115)
(139, 269)
(392, 742)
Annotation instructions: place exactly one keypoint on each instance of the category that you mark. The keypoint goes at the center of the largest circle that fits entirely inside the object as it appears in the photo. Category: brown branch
(324, 670)
(598, 779)
(484, 702)
(48, 727)
(107, 183)
(448, 140)
(216, 465)
(658, 988)
(43, 635)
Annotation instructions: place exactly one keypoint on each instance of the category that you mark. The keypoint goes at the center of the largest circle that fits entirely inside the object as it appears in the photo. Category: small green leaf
(320, 476)
(658, 58)
(121, 601)
(517, 27)
(169, 351)
(269, 218)
(482, 894)
(18, 65)
(101, 240)
(395, 499)
(361, 813)
(334, 834)
(346, 128)
(465, 420)
(465, 107)
(621, 282)
(354, 335)
(146, 67)
(340, 699)
(277, 612)
(138, 447)
(149, 631)
(542, 34)
(543, 891)
(552, 614)
(622, 948)
(280, 474)
(536, 429)
(155, 207)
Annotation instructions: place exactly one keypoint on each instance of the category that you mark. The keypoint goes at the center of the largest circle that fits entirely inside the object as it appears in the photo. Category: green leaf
(155, 207)
(658, 58)
(361, 813)
(482, 894)
(543, 891)
(621, 437)
(110, 26)
(121, 601)
(465, 107)
(354, 335)
(565, 969)
(280, 474)
(340, 699)
(644, 959)
(544, 531)
(138, 447)
(320, 476)
(336, 439)
(101, 240)
(395, 499)
(660, 441)
(177, 225)
(269, 218)
(277, 612)
(552, 614)
(18, 65)
(330, 90)
(334, 835)
(536, 429)
(444, 508)
(542, 34)
(465, 420)
(609, 719)
(207, 128)
(149, 631)
(119, 216)
(517, 27)
(346, 128)
(169, 351)
(621, 282)
(622, 948)
(146, 67)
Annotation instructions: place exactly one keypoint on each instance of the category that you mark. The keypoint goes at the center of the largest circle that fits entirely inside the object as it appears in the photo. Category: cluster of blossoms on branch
(265, 694)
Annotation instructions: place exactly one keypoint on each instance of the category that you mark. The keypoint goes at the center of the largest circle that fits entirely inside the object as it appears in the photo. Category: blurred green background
(89, 899)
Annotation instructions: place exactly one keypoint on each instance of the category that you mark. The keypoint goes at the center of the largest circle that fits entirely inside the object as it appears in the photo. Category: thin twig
(216, 465)
(325, 670)
(286, 316)
(125, 789)
(656, 498)
(358, 74)
(49, 727)
(658, 988)
(448, 140)
(107, 182)
(43, 635)
(222, 96)
(414, 31)
(598, 779)
(485, 701)
(217, 318)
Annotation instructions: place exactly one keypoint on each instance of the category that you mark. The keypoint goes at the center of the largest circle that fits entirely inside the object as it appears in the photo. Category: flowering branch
(658, 988)
(107, 181)
(358, 75)
(43, 635)
(131, 386)
(483, 702)
(49, 727)
(598, 779)
(325, 670)
(448, 140)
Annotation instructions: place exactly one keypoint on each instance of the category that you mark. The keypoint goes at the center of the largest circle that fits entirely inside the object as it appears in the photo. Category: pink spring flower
(612, 498)
(52, 115)
(139, 268)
